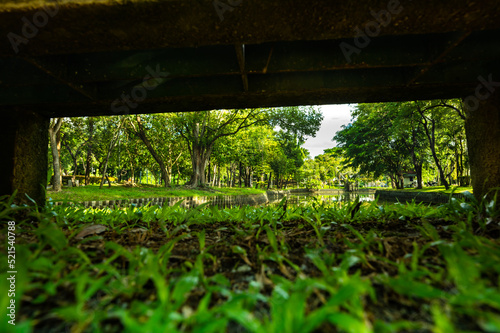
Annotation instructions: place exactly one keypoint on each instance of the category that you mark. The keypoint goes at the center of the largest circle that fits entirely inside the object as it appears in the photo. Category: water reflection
(327, 196)
(298, 198)
(271, 197)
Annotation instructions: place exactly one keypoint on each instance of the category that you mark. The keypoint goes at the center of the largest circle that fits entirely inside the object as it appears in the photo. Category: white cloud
(334, 117)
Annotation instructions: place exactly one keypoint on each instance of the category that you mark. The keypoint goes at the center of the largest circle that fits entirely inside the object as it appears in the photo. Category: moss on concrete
(29, 169)
(93, 26)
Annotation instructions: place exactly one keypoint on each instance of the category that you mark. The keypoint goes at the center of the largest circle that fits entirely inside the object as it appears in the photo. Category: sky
(334, 117)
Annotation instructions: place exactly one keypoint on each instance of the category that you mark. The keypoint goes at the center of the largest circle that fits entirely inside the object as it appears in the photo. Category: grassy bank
(118, 192)
(432, 189)
(319, 268)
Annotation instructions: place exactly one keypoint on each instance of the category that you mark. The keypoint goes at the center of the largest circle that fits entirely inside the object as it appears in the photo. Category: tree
(327, 165)
(288, 159)
(387, 138)
(293, 125)
(159, 126)
(409, 128)
(342, 171)
(74, 140)
(370, 144)
(201, 130)
(90, 129)
(250, 148)
(436, 115)
(297, 122)
(55, 147)
(112, 143)
(154, 143)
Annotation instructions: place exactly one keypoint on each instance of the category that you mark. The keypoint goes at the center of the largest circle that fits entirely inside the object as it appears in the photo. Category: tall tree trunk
(233, 175)
(430, 132)
(199, 161)
(141, 133)
(417, 163)
(74, 157)
(89, 151)
(132, 167)
(198, 164)
(112, 143)
(482, 128)
(418, 170)
(393, 183)
(442, 176)
(214, 177)
(75, 164)
(75, 169)
(248, 176)
(59, 145)
(55, 144)
(239, 175)
(218, 176)
(209, 171)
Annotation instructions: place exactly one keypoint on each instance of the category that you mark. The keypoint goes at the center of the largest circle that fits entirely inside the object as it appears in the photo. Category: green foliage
(93, 193)
(180, 148)
(393, 138)
(81, 179)
(359, 267)
(296, 122)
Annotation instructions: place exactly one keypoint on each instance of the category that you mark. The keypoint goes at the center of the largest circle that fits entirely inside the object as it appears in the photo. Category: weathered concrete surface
(24, 155)
(99, 26)
(263, 53)
(482, 127)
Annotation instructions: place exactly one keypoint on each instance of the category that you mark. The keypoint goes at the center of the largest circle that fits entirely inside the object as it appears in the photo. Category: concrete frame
(75, 58)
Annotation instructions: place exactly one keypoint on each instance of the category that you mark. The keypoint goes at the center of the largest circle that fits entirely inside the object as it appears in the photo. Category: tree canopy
(191, 148)
(391, 139)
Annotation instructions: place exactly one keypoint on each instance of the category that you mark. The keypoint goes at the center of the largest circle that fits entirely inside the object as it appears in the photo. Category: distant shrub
(81, 179)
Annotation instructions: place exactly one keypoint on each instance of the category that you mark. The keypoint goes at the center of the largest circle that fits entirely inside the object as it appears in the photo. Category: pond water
(297, 198)
(272, 197)
(327, 196)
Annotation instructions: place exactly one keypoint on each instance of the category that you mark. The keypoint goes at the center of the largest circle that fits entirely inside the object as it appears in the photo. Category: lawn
(320, 268)
(435, 189)
(119, 192)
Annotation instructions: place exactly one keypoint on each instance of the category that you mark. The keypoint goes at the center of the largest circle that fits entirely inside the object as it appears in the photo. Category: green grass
(434, 189)
(118, 192)
(317, 268)
(239, 191)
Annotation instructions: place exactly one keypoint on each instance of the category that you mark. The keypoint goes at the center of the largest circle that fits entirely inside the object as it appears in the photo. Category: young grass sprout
(321, 267)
